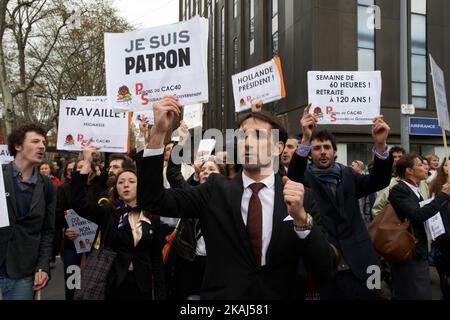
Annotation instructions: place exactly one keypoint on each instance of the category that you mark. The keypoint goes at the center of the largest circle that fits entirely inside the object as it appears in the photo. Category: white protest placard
(345, 97)
(80, 121)
(264, 82)
(434, 227)
(5, 156)
(440, 95)
(93, 99)
(84, 228)
(193, 115)
(140, 114)
(4, 218)
(205, 148)
(145, 65)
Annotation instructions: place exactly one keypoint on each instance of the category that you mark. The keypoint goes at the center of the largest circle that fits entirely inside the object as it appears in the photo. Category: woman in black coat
(411, 279)
(137, 272)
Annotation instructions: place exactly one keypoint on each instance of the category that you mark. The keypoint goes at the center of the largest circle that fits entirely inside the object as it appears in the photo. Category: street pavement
(55, 289)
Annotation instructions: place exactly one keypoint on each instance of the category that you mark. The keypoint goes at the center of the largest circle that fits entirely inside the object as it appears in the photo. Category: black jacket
(146, 256)
(231, 271)
(185, 242)
(27, 244)
(343, 220)
(406, 205)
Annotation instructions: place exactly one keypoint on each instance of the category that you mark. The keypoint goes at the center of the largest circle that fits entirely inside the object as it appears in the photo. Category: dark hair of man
(397, 150)
(127, 162)
(45, 163)
(323, 135)
(406, 162)
(17, 136)
(270, 119)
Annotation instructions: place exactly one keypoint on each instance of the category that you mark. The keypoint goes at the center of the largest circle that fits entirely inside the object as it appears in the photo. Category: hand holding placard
(380, 133)
(166, 112)
(308, 123)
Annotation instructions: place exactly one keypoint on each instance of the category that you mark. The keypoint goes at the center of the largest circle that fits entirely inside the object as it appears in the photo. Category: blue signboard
(424, 127)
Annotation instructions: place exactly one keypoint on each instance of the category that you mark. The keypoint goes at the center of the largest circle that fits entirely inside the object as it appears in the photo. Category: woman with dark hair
(411, 279)
(137, 271)
(442, 244)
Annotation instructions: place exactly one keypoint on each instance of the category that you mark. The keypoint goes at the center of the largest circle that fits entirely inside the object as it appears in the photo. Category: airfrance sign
(424, 127)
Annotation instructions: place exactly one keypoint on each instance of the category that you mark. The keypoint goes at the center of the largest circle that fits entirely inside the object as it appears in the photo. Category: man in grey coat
(26, 244)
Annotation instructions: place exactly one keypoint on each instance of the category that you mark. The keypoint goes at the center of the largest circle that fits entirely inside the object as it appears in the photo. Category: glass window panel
(275, 43)
(274, 8)
(275, 24)
(420, 103)
(419, 89)
(418, 34)
(366, 36)
(235, 8)
(366, 2)
(366, 59)
(419, 68)
(419, 6)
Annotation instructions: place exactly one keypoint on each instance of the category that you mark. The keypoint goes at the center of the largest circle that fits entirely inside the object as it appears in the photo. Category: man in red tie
(256, 227)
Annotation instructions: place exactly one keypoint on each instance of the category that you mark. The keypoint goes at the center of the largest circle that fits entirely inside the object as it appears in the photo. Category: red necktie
(254, 222)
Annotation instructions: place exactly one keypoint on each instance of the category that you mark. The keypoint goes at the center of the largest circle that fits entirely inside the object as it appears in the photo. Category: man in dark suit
(254, 229)
(26, 245)
(337, 189)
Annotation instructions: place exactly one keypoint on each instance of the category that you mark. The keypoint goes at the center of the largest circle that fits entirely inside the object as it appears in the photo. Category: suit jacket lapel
(236, 193)
(279, 214)
(9, 189)
(125, 233)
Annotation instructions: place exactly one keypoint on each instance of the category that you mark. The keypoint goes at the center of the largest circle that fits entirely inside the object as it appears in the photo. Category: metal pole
(404, 73)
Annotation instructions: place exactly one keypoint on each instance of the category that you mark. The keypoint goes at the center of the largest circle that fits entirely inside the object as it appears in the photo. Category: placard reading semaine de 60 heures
(352, 98)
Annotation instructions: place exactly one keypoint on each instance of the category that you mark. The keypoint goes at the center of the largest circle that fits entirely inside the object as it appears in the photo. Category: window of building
(235, 9)
(275, 45)
(252, 27)
(366, 36)
(222, 54)
(419, 53)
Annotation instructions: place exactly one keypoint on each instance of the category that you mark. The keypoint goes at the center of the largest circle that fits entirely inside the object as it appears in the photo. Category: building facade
(327, 35)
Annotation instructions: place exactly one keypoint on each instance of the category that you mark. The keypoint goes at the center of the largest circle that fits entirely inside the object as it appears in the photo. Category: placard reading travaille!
(345, 97)
(80, 121)
(144, 66)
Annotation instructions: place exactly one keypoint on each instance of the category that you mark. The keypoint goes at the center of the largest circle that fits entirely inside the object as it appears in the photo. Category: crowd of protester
(216, 229)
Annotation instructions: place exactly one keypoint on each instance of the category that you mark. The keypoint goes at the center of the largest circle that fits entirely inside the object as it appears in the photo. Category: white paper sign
(4, 218)
(148, 114)
(84, 228)
(345, 97)
(434, 227)
(205, 148)
(263, 82)
(193, 115)
(80, 121)
(143, 66)
(440, 95)
(5, 157)
(93, 99)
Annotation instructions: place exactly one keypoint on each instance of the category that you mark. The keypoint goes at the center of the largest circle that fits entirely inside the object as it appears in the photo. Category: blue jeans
(17, 289)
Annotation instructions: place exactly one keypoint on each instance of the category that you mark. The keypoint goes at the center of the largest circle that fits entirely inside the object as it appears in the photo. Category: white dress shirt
(414, 189)
(267, 198)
